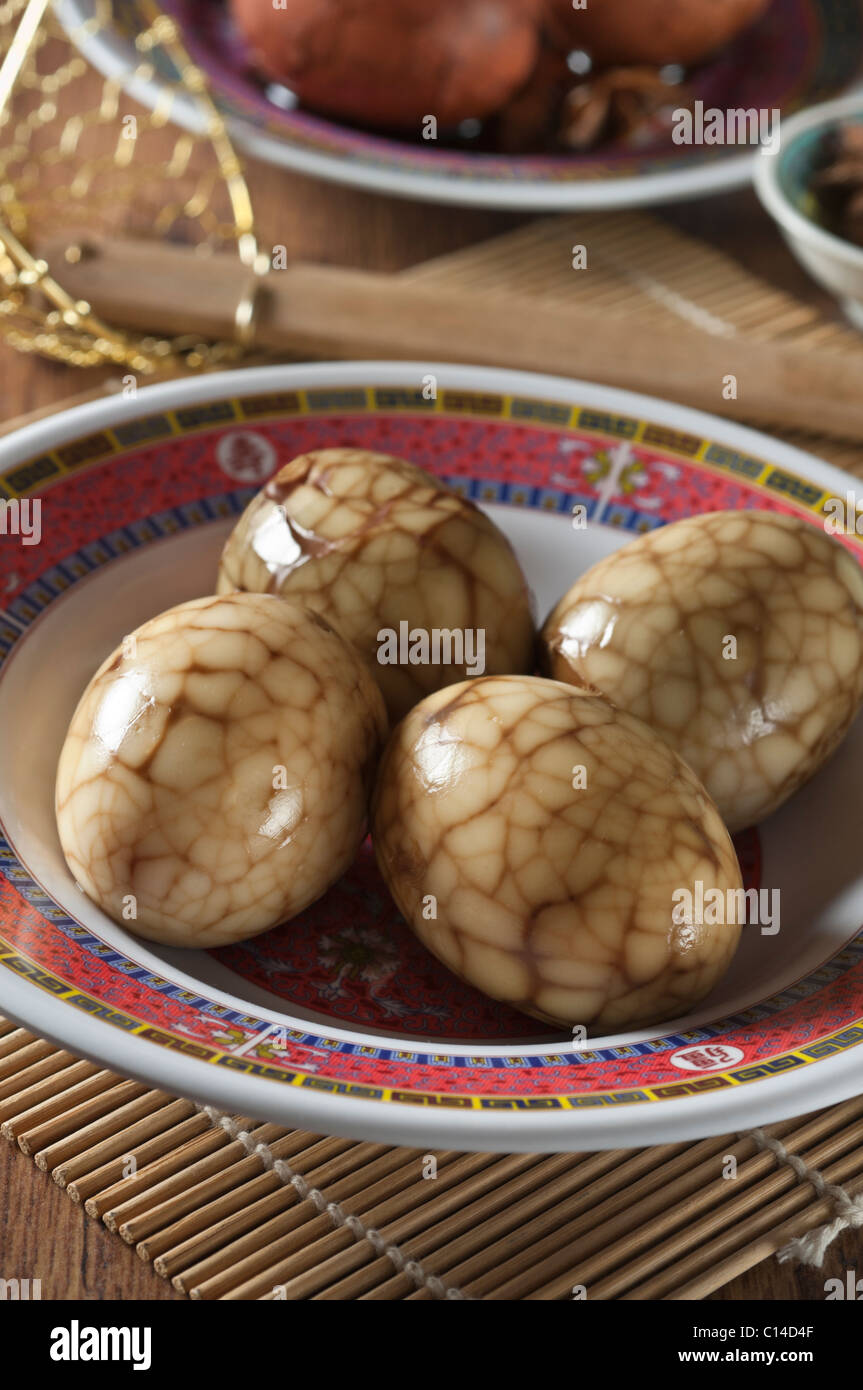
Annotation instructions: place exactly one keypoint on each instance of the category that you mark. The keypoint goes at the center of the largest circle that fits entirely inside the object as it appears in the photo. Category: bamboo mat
(227, 1208)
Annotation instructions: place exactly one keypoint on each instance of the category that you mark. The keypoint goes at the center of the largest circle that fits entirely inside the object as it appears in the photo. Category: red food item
(650, 31)
(394, 62)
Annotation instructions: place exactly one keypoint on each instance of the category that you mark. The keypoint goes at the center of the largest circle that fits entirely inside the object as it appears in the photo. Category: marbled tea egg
(542, 844)
(392, 558)
(215, 777)
(737, 636)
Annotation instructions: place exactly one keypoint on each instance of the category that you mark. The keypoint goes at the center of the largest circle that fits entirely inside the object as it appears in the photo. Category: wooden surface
(42, 1234)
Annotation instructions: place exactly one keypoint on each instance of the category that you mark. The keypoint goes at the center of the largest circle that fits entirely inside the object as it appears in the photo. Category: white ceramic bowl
(783, 181)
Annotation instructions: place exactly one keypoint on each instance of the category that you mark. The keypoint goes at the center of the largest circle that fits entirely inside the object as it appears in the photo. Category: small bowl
(783, 182)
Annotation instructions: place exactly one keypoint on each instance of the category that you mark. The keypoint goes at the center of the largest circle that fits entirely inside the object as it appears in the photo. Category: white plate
(778, 1036)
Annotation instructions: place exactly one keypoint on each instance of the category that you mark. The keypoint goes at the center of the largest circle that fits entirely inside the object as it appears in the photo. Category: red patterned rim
(171, 468)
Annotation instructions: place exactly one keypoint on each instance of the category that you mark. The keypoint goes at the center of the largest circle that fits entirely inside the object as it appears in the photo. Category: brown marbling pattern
(217, 770)
(648, 626)
(553, 898)
(371, 541)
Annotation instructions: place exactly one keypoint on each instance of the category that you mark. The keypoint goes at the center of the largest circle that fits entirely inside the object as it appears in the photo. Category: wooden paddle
(310, 310)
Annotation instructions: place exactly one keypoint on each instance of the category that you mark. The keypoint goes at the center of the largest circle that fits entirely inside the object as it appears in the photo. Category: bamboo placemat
(228, 1208)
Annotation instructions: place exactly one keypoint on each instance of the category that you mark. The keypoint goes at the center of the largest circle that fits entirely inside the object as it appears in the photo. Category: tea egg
(215, 777)
(419, 579)
(737, 636)
(394, 63)
(542, 844)
(650, 31)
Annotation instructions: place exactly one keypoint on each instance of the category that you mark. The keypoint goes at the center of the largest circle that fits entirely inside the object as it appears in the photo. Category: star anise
(838, 182)
(616, 104)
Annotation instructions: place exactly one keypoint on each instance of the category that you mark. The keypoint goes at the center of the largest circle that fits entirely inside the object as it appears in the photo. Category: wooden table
(42, 1234)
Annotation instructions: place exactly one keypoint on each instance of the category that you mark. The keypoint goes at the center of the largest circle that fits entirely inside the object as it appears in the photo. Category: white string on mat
(811, 1248)
(334, 1210)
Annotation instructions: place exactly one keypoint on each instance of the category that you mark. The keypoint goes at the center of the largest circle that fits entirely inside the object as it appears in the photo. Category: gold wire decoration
(77, 153)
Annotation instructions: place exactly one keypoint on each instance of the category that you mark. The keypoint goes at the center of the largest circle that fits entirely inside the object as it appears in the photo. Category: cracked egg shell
(215, 777)
(372, 542)
(395, 62)
(650, 31)
(553, 898)
(755, 717)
